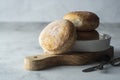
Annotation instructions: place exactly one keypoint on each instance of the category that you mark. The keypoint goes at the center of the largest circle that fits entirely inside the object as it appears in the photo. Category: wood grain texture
(44, 61)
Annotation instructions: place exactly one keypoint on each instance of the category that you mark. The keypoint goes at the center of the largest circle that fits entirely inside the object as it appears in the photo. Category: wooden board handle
(44, 61)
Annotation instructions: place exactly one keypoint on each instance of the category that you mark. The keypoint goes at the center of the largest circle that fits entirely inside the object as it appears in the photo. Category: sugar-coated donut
(83, 20)
(58, 37)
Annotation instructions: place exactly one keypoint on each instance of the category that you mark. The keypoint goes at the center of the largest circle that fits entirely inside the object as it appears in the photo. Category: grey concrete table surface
(20, 39)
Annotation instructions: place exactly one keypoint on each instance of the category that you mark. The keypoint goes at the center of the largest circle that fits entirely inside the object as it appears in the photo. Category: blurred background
(21, 22)
(48, 10)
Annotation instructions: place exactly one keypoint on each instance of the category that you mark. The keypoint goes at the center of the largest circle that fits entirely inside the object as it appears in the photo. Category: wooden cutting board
(44, 61)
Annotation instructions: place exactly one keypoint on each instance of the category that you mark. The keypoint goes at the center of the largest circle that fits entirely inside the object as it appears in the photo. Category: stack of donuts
(59, 36)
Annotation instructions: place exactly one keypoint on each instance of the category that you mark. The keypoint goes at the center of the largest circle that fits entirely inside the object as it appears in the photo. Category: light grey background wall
(48, 10)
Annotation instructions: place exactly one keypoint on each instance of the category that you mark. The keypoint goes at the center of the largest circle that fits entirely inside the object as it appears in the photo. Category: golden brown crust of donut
(83, 20)
(57, 37)
(88, 35)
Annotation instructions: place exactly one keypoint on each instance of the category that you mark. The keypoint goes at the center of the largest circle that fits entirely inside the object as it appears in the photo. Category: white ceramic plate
(93, 45)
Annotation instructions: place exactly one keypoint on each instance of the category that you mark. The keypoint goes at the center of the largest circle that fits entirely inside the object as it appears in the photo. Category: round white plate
(93, 45)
